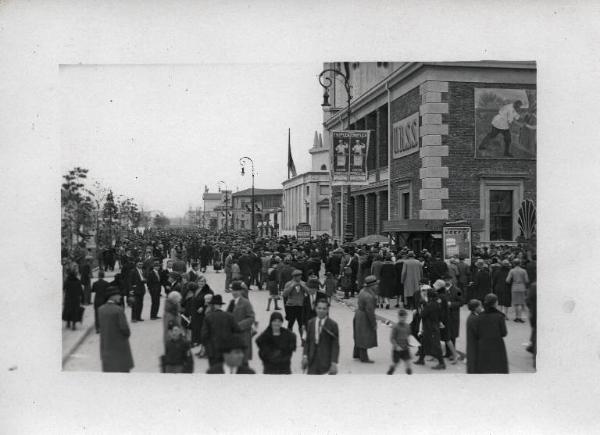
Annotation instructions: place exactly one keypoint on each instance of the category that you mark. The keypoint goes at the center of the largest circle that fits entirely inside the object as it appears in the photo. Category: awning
(426, 225)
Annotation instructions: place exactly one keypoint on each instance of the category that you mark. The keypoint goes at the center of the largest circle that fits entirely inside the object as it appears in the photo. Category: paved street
(146, 340)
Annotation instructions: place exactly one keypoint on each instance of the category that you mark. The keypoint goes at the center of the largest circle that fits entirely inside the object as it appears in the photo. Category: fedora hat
(217, 300)
(370, 280)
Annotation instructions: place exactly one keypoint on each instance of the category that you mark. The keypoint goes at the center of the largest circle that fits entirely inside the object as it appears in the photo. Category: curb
(78, 343)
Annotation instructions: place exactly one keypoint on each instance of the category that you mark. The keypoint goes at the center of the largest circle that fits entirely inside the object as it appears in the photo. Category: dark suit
(217, 369)
(243, 313)
(115, 352)
(137, 288)
(154, 286)
(218, 328)
(321, 355)
(99, 290)
(309, 309)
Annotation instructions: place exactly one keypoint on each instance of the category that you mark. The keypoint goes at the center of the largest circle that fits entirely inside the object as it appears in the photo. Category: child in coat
(399, 338)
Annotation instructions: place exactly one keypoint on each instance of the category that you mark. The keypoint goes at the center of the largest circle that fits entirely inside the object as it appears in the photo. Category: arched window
(323, 167)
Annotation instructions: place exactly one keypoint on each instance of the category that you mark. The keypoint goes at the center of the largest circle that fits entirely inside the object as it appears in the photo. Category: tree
(77, 208)
(110, 212)
(161, 221)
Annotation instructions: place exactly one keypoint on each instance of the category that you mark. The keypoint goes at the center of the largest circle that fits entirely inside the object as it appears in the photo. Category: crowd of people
(302, 278)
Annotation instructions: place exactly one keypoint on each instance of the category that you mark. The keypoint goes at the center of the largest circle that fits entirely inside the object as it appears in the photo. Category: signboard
(505, 123)
(457, 242)
(349, 157)
(405, 136)
(303, 231)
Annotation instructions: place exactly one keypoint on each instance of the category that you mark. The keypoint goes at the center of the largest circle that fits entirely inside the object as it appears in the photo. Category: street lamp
(325, 81)
(226, 210)
(243, 161)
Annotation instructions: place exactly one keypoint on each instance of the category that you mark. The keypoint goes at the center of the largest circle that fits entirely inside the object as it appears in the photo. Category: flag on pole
(291, 166)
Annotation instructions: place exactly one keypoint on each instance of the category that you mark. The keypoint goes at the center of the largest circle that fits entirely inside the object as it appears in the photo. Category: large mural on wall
(505, 123)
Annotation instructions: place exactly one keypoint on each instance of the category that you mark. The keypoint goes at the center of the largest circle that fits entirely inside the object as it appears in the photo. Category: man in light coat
(243, 313)
(365, 322)
(412, 272)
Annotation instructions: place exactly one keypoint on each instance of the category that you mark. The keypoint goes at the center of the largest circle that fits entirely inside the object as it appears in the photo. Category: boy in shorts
(399, 338)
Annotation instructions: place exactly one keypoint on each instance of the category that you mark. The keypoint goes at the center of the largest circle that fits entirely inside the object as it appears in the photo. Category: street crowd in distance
(302, 279)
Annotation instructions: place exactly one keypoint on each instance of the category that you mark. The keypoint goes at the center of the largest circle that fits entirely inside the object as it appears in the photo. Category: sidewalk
(71, 340)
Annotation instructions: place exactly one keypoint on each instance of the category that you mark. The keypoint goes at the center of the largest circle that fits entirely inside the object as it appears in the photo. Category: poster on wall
(457, 243)
(303, 231)
(505, 123)
(349, 157)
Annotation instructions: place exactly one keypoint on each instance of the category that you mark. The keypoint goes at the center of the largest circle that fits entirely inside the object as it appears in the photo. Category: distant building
(214, 209)
(267, 213)
(306, 196)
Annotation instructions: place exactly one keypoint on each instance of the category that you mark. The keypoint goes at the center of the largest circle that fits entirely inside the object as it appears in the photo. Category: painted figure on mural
(341, 151)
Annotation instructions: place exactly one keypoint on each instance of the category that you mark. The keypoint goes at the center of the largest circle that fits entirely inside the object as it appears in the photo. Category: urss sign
(405, 136)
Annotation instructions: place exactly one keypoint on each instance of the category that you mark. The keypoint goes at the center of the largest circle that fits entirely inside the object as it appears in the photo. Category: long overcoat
(431, 317)
(491, 350)
(73, 297)
(411, 276)
(472, 343)
(365, 323)
(388, 281)
(115, 351)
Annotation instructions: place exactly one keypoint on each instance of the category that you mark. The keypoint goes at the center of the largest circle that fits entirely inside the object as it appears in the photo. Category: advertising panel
(457, 242)
(349, 157)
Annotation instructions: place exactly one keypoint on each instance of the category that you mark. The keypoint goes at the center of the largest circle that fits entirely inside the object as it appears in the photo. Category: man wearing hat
(137, 288)
(219, 326)
(233, 359)
(455, 301)
(310, 300)
(322, 348)
(294, 293)
(115, 351)
(243, 313)
(365, 322)
(412, 272)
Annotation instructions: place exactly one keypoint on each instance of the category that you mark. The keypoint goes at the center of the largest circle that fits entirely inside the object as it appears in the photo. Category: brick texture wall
(463, 182)
(407, 166)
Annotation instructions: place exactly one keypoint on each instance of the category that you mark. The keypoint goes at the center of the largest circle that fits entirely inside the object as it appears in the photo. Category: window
(406, 205)
(501, 214)
(242, 224)
(324, 190)
(307, 190)
(307, 220)
(404, 210)
(500, 199)
(323, 167)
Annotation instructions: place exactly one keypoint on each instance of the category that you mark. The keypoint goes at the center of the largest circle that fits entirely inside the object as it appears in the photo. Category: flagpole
(289, 152)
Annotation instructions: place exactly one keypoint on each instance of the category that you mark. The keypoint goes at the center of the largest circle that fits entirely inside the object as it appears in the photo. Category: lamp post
(325, 81)
(226, 210)
(243, 161)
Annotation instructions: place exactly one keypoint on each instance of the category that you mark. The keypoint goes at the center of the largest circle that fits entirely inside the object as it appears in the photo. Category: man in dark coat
(322, 347)
(233, 351)
(137, 288)
(437, 269)
(490, 333)
(482, 284)
(245, 263)
(475, 308)
(154, 287)
(85, 272)
(455, 301)
(430, 344)
(218, 327)
(334, 262)
(365, 322)
(115, 352)
(99, 288)
(243, 313)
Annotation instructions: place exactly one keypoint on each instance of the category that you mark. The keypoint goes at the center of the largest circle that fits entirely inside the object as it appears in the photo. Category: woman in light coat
(518, 280)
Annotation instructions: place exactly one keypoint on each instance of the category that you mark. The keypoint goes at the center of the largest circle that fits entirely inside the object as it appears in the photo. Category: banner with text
(349, 157)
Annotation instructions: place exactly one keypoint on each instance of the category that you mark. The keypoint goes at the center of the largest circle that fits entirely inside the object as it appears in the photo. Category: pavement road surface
(147, 346)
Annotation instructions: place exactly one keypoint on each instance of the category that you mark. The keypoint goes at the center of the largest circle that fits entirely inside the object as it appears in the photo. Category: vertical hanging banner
(349, 157)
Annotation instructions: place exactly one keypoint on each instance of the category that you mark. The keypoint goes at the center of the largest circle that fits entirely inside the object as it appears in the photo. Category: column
(432, 130)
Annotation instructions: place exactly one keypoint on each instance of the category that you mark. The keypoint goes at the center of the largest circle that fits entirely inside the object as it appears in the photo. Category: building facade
(267, 213)
(436, 155)
(306, 196)
(215, 206)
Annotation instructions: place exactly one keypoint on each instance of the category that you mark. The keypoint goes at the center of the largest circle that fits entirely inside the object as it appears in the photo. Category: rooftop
(257, 192)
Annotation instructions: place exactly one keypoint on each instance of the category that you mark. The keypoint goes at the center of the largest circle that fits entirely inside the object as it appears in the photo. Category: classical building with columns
(306, 196)
(435, 154)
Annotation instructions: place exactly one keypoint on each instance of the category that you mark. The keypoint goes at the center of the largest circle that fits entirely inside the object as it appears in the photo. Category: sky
(160, 133)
